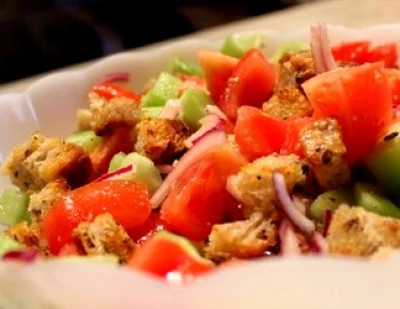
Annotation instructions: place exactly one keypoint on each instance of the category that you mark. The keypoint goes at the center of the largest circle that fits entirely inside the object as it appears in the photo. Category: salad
(234, 158)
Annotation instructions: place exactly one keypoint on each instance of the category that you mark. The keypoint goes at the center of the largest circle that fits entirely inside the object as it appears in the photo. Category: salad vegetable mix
(235, 157)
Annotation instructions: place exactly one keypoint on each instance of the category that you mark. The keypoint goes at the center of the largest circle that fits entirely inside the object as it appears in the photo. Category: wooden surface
(355, 13)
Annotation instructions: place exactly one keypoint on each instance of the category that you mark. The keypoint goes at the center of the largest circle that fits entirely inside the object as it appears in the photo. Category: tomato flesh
(111, 90)
(127, 201)
(199, 198)
(147, 229)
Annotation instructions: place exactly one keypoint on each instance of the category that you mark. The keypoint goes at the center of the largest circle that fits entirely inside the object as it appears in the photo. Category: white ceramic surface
(49, 105)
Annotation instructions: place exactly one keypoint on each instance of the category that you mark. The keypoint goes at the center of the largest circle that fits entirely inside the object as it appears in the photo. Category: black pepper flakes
(327, 157)
(390, 136)
(258, 177)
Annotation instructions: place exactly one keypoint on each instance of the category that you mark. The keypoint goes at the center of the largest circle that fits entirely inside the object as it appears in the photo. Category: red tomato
(386, 53)
(252, 83)
(147, 229)
(69, 250)
(117, 141)
(360, 98)
(127, 201)
(199, 198)
(258, 134)
(351, 52)
(110, 91)
(394, 80)
(217, 69)
(167, 253)
(293, 129)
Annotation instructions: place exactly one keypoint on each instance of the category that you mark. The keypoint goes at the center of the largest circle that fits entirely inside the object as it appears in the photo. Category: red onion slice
(119, 173)
(115, 77)
(319, 243)
(231, 187)
(214, 110)
(299, 204)
(194, 154)
(320, 49)
(304, 224)
(165, 168)
(289, 242)
(24, 255)
(209, 123)
(171, 110)
(327, 222)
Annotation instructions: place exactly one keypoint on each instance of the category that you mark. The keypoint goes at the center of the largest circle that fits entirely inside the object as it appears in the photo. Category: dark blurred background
(41, 35)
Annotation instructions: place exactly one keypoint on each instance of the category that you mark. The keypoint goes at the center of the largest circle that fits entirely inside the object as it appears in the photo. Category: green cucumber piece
(8, 244)
(384, 162)
(13, 207)
(329, 200)
(370, 198)
(151, 112)
(166, 87)
(88, 140)
(177, 66)
(290, 47)
(116, 161)
(236, 45)
(194, 103)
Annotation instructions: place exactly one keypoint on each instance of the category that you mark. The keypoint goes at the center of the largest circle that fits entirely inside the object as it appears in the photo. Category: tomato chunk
(217, 69)
(147, 229)
(167, 254)
(111, 90)
(360, 98)
(199, 198)
(127, 201)
(251, 83)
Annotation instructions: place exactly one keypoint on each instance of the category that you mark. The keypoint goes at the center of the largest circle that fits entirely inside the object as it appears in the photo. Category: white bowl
(49, 105)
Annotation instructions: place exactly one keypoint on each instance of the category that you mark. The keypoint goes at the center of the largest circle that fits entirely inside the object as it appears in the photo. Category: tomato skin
(394, 82)
(252, 83)
(161, 256)
(360, 98)
(127, 201)
(147, 229)
(293, 130)
(251, 133)
(199, 198)
(111, 90)
(386, 53)
(217, 69)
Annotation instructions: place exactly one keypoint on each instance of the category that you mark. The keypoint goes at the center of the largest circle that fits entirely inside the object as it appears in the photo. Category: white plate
(49, 105)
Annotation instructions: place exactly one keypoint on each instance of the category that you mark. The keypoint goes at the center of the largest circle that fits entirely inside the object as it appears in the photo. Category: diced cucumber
(177, 66)
(151, 112)
(13, 207)
(384, 162)
(290, 47)
(237, 45)
(88, 140)
(194, 103)
(370, 198)
(145, 170)
(8, 244)
(166, 87)
(102, 259)
(329, 200)
(116, 161)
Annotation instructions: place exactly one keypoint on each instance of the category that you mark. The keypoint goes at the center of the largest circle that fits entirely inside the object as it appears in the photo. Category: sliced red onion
(320, 49)
(231, 187)
(214, 110)
(115, 77)
(299, 204)
(319, 244)
(165, 168)
(289, 242)
(327, 222)
(171, 110)
(118, 174)
(192, 156)
(304, 224)
(209, 123)
(24, 255)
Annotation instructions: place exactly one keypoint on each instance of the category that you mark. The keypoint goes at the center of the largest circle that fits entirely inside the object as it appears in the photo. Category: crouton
(41, 160)
(296, 68)
(241, 239)
(84, 117)
(324, 151)
(25, 234)
(288, 101)
(254, 183)
(41, 202)
(107, 114)
(161, 140)
(104, 236)
(354, 231)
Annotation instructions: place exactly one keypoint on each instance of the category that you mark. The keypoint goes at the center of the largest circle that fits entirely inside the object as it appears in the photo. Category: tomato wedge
(360, 98)
(252, 83)
(111, 90)
(127, 201)
(147, 229)
(199, 198)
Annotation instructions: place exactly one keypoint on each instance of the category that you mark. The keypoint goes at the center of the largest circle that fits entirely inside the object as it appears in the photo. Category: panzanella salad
(235, 157)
